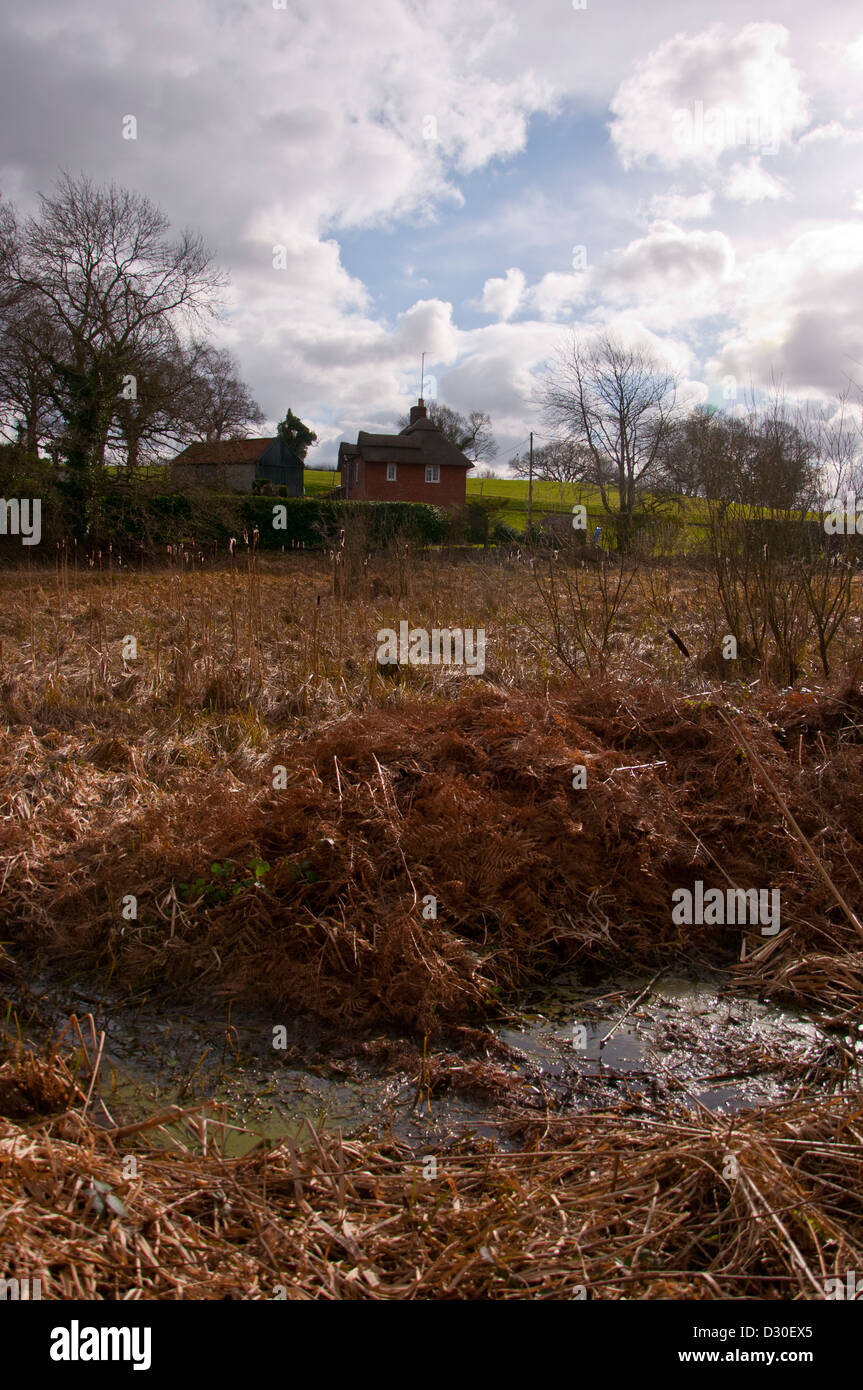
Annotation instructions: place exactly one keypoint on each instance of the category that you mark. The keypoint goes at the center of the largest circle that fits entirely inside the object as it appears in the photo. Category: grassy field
(279, 806)
(512, 494)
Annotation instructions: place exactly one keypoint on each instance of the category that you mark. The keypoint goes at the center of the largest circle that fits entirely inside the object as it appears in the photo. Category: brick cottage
(417, 465)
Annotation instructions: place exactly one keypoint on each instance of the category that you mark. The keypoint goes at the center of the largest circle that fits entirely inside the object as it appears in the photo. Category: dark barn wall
(233, 477)
(277, 465)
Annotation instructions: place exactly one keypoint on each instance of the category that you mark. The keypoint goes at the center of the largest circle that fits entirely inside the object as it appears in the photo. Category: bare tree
(477, 441)
(618, 402)
(840, 450)
(221, 404)
(181, 395)
(767, 457)
(469, 433)
(784, 472)
(558, 461)
(152, 412)
(26, 383)
(9, 290)
(98, 263)
(691, 454)
(780, 581)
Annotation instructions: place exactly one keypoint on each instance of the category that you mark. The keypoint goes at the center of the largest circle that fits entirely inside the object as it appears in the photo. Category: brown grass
(605, 1205)
(136, 776)
(137, 780)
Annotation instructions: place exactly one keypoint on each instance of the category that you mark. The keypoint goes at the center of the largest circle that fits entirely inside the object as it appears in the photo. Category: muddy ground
(668, 1042)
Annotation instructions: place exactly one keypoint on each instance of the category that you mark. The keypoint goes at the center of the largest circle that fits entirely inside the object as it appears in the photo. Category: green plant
(303, 872)
(297, 436)
(226, 881)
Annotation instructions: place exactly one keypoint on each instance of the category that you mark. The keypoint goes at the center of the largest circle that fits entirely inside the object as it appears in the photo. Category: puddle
(676, 1035)
(670, 1040)
(159, 1056)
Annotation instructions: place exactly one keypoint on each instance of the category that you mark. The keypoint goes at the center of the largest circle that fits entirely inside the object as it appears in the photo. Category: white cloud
(682, 207)
(300, 267)
(800, 312)
(629, 329)
(691, 99)
(750, 183)
(667, 277)
(502, 296)
(299, 125)
(315, 126)
(557, 292)
(426, 327)
(831, 130)
(670, 276)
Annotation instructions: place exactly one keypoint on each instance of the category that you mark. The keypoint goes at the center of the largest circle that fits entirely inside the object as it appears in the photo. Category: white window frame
(392, 473)
(357, 471)
(432, 472)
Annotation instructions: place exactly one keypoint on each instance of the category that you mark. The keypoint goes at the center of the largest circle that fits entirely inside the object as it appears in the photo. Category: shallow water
(685, 1043)
(157, 1056)
(712, 1049)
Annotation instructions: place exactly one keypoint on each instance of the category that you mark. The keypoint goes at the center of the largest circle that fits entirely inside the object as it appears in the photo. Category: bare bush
(581, 608)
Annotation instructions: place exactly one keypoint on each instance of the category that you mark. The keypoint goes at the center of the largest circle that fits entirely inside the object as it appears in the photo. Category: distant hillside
(547, 497)
(512, 492)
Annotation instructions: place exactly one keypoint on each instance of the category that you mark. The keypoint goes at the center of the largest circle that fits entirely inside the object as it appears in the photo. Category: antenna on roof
(422, 374)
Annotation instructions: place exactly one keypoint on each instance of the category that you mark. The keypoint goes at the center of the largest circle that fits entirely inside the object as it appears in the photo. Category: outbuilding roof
(224, 451)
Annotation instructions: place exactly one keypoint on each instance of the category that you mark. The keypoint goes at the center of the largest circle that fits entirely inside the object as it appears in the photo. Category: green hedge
(314, 522)
(132, 516)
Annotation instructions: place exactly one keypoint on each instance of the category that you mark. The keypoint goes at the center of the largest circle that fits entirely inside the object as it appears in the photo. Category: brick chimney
(418, 411)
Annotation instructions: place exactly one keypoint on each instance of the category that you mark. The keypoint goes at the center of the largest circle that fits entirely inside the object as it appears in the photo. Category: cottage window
(432, 472)
(357, 471)
(391, 472)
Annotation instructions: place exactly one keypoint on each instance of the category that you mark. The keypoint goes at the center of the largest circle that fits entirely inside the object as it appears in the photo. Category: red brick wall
(410, 484)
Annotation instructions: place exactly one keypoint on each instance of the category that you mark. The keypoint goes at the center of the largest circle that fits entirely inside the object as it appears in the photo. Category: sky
(480, 182)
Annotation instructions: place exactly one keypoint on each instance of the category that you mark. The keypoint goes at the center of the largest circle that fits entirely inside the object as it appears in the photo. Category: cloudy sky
(475, 181)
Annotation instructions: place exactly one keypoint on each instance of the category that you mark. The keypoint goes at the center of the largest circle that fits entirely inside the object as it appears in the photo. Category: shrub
(131, 509)
(317, 522)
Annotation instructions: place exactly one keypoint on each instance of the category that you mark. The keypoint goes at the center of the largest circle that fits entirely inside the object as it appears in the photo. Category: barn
(235, 465)
(416, 465)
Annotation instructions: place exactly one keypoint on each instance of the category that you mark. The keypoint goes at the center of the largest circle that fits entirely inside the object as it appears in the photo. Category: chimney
(418, 411)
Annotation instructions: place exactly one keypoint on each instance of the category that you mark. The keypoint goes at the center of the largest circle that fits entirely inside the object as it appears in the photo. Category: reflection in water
(668, 1038)
(723, 1052)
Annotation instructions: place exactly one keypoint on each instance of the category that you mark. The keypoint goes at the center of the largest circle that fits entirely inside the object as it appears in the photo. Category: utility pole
(530, 487)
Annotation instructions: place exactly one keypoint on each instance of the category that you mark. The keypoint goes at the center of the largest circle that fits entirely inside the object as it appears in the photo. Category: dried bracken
(323, 903)
(605, 1205)
(250, 809)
